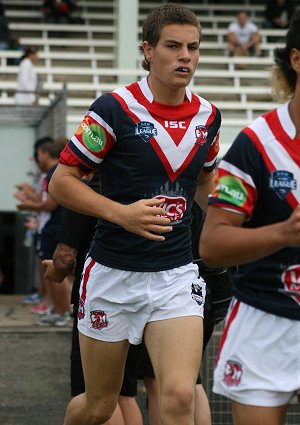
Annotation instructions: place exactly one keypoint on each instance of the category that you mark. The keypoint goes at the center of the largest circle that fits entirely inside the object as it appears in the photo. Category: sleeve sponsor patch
(92, 135)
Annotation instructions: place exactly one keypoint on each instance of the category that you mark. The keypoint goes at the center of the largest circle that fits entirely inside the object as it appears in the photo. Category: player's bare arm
(239, 245)
(139, 217)
(204, 188)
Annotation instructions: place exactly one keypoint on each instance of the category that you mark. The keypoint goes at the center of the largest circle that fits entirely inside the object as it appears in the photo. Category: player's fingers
(154, 201)
(152, 236)
(159, 229)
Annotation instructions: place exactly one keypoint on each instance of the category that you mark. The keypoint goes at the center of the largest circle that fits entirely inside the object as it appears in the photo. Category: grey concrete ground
(34, 368)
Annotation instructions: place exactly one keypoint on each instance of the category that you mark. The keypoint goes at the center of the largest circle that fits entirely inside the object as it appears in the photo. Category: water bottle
(28, 238)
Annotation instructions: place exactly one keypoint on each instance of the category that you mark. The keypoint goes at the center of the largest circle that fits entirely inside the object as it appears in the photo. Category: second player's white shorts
(116, 305)
(259, 357)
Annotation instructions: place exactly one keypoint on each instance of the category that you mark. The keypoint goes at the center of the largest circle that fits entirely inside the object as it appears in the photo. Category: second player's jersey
(144, 150)
(260, 177)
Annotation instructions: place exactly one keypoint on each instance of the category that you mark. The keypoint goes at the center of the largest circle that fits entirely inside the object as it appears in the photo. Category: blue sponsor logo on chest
(282, 182)
(145, 130)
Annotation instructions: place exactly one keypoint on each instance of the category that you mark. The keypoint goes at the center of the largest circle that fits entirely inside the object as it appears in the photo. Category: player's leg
(257, 415)
(127, 399)
(152, 398)
(202, 409)
(257, 374)
(103, 366)
(175, 347)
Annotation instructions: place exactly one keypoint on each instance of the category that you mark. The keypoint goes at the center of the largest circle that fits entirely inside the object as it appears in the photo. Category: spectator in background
(253, 221)
(27, 83)
(58, 11)
(31, 223)
(50, 216)
(4, 30)
(279, 13)
(243, 37)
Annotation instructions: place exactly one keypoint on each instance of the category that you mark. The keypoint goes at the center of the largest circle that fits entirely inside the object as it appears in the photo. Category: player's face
(174, 59)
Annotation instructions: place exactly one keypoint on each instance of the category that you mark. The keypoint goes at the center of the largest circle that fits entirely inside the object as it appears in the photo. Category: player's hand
(291, 228)
(25, 205)
(145, 219)
(51, 273)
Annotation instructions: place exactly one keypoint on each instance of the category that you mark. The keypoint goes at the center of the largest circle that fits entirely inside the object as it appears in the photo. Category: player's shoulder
(205, 104)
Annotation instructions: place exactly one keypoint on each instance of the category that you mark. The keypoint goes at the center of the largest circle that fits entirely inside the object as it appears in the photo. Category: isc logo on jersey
(93, 136)
(291, 280)
(174, 206)
(175, 124)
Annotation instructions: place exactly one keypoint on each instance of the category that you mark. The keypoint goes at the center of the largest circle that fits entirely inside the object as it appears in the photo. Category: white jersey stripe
(209, 163)
(276, 152)
(232, 169)
(103, 124)
(85, 151)
(175, 155)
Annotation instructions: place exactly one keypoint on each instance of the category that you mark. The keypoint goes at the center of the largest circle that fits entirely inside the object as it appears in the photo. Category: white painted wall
(15, 151)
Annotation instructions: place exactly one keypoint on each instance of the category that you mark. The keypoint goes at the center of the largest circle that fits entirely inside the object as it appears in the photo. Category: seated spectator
(58, 11)
(279, 13)
(4, 30)
(243, 37)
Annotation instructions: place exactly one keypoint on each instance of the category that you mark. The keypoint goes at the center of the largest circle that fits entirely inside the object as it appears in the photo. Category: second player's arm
(224, 242)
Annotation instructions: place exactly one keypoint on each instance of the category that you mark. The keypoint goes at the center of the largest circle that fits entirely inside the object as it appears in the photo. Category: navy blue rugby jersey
(260, 177)
(143, 150)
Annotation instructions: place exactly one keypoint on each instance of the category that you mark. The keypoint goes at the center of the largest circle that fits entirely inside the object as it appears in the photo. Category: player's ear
(147, 51)
(295, 60)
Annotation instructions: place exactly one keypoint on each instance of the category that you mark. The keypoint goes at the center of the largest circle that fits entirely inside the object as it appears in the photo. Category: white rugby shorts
(115, 305)
(258, 362)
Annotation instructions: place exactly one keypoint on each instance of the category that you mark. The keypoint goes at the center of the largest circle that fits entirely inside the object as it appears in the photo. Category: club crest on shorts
(197, 294)
(98, 319)
(233, 373)
(81, 313)
(291, 281)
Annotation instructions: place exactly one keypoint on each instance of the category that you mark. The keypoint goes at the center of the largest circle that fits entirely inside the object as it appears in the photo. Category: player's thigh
(257, 415)
(175, 348)
(103, 366)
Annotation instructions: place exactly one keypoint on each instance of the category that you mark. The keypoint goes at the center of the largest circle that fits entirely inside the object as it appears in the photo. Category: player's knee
(97, 417)
(178, 399)
(99, 412)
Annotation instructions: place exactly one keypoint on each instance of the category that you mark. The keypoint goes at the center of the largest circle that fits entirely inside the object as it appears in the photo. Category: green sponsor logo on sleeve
(94, 137)
(232, 190)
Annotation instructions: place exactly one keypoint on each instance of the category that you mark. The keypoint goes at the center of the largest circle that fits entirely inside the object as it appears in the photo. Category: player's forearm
(68, 190)
(226, 245)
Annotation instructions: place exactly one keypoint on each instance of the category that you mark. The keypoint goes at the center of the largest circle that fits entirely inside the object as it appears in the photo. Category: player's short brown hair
(161, 16)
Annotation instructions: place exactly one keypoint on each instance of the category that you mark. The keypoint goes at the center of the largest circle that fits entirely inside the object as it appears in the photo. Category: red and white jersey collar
(149, 96)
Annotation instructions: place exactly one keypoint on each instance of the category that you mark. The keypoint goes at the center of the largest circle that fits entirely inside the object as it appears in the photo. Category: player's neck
(294, 110)
(166, 95)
